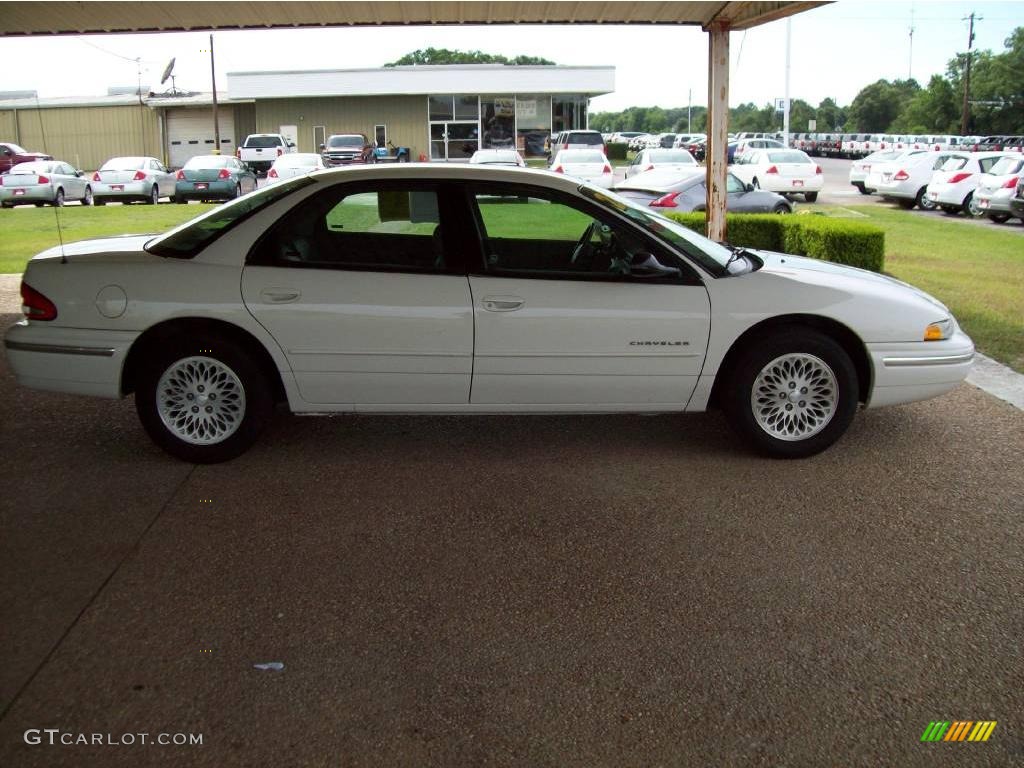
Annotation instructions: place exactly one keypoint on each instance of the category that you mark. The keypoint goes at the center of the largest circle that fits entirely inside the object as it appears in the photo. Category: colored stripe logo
(959, 730)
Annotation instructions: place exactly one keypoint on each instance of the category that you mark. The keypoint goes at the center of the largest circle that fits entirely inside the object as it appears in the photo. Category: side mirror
(322, 147)
(748, 187)
(644, 264)
(291, 143)
(79, 173)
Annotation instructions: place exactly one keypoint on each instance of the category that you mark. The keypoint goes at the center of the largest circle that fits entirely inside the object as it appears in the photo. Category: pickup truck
(260, 150)
(12, 154)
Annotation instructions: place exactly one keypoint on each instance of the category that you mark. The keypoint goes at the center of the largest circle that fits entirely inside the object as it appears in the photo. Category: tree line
(898, 106)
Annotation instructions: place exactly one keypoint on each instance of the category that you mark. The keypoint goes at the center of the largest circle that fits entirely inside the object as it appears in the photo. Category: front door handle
(502, 303)
(279, 295)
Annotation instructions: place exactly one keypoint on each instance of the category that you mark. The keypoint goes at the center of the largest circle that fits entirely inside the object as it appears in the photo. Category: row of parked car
(854, 145)
(979, 184)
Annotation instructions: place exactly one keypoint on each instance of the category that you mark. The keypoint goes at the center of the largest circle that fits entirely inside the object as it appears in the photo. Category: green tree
(447, 56)
(878, 105)
(933, 109)
(829, 116)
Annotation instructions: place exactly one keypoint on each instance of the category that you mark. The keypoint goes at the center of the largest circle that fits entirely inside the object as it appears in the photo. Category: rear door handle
(502, 303)
(279, 295)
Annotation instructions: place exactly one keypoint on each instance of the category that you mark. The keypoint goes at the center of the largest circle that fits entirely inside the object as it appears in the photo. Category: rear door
(371, 305)
(562, 324)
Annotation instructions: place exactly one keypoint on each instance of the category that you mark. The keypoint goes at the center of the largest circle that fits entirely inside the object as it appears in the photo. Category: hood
(123, 248)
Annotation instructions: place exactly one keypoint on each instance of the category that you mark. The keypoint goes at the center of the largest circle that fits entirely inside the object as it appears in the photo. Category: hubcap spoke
(795, 396)
(200, 400)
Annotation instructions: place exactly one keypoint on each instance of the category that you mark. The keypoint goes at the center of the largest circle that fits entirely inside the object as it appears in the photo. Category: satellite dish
(167, 71)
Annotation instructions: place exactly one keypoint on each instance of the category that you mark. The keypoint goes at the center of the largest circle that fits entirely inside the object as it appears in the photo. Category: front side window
(732, 184)
(392, 228)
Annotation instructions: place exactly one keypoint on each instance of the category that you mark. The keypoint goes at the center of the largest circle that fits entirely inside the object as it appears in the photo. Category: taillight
(565, 146)
(958, 177)
(817, 170)
(272, 174)
(607, 168)
(665, 201)
(96, 176)
(139, 176)
(180, 175)
(44, 179)
(35, 305)
(1010, 183)
(280, 151)
(773, 169)
(224, 174)
(558, 169)
(649, 168)
(901, 175)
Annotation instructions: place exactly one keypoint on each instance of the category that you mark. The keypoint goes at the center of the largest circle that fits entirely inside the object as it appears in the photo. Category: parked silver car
(670, 191)
(132, 178)
(43, 181)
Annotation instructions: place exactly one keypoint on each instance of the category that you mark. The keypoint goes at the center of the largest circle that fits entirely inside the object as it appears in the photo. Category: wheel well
(163, 332)
(835, 330)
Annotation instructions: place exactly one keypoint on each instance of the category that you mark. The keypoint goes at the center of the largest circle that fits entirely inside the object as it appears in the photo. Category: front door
(565, 320)
(454, 140)
(370, 305)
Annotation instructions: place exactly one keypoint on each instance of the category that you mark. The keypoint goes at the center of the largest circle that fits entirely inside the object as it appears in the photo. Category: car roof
(447, 172)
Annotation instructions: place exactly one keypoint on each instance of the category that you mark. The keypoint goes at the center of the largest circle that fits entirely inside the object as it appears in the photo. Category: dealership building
(439, 112)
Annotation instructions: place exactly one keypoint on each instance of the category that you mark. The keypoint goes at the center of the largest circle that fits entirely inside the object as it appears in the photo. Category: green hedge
(617, 151)
(818, 237)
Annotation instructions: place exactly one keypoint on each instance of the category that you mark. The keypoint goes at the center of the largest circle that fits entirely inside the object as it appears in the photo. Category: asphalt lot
(511, 591)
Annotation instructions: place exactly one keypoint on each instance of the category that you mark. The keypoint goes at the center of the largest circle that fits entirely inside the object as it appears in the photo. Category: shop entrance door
(454, 140)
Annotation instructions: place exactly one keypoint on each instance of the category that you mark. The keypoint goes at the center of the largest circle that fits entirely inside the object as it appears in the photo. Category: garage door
(190, 133)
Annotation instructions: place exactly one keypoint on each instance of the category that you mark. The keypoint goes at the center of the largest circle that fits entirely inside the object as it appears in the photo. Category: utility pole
(964, 114)
(213, 82)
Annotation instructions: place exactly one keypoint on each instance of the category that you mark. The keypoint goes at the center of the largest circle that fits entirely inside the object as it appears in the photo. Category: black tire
(782, 208)
(737, 394)
(238, 190)
(999, 218)
(58, 199)
(810, 197)
(950, 210)
(225, 354)
(98, 201)
(863, 190)
(905, 203)
(179, 200)
(87, 199)
(922, 201)
(6, 205)
(971, 209)
(154, 196)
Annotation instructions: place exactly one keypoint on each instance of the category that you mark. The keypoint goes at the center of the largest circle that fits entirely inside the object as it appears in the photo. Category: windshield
(32, 168)
(671, 156)
(788, 157)
(262, 142)
(346, 141)
(1006, 166)
(709, 254)
(190, 238)
(124, 164)
(16, 149)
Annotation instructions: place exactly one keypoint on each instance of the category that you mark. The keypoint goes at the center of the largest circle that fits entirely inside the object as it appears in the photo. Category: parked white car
(781, 170)
(952, 186)
(997, 187)
(672, 159)
(50, 182)
(588, 165)
(296, 164)
(859, 169)
(905, 178)
(432, 288)
(497, 157)
(132, 179)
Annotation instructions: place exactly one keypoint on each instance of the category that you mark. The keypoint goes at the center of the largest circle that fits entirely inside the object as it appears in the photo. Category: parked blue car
(213, 177)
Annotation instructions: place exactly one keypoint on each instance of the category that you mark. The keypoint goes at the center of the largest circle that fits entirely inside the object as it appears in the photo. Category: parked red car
(12, 154)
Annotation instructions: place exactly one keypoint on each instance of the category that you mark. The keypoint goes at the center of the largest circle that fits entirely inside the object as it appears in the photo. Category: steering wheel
(584, 248)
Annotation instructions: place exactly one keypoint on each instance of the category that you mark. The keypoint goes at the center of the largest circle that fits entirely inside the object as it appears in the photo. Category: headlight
(940, 330)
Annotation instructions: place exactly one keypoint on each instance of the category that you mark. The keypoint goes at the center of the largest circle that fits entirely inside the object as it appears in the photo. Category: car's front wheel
(203, 401)
(792, 395)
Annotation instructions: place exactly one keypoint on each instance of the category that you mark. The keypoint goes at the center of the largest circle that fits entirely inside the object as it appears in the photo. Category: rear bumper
(71, 360)
(947, 194)
(38, 194)
(906, 189)
(906, 372)
(997, 201)
(215, 190)
(135, 190)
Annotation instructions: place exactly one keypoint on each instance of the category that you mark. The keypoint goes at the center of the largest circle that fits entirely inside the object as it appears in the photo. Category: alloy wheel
(794, 396)
(200, 400)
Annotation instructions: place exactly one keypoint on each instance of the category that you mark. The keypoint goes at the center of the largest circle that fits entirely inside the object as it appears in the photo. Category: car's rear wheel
(87, 199)
(202, 399)
(950, 210)
(58, 199)
(154, 196)
(792, 395)
(238, 190)
(905, 203)
(810, 197)
(999, 218)
(971, 207)
(98, 201)
(922, 200)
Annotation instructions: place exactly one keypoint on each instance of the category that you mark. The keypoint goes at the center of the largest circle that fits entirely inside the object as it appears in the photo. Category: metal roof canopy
(717, 18)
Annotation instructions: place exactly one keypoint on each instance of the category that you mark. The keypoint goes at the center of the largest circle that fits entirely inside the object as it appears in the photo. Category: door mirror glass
(748, 187)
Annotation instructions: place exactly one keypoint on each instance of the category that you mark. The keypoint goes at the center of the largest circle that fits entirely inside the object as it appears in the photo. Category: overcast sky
(836, 50)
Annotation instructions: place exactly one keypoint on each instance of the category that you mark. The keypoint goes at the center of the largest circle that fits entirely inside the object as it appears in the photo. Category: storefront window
(498, 118)
(533, 124)
(466, 108)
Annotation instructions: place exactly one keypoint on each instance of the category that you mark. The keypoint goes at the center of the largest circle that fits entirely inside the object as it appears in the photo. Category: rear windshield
(124, 164)
(584, 138)
(1006, 166)
(190, 238)
(206, 161)
(671, 156)
(28, 168)
(263, 141)
(581, 156)
(16, 149)
(346, 141)
(954, 164)
(788, 157)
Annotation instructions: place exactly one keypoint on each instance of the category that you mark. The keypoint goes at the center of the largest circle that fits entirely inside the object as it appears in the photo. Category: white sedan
(997, 187)
(860, 169)
(952, 186)
(905, 178)
(662, 159)
(781, 170)
(128, 179)
(295, 164)
(589, 165)
(458, 289)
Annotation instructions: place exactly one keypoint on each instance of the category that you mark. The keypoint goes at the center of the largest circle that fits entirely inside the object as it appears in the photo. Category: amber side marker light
(938, 331)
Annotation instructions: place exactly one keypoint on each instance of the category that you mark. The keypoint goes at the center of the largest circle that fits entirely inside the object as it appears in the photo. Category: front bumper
(71, 360)
(39, 193)
(215, 190)
(905, 372)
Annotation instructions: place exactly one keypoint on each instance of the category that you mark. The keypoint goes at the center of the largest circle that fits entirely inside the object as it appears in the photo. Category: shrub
(617, 151)
(818, 237)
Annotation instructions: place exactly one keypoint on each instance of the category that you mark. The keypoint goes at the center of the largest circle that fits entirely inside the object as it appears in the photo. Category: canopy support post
(717, 155)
